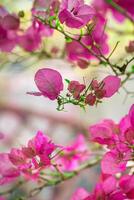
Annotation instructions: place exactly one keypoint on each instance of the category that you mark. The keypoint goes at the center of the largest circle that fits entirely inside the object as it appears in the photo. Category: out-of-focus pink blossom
(130, 47)
(127, 185)
(9, 25)
(76, 51)
(111, 85)
(80, 194)
(8, 171)
(74, 154)
(75, 13)
(49, 83)
(103, 7)
(34, 157)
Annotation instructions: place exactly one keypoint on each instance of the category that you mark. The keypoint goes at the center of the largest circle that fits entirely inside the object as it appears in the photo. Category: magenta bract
(111, 85)
(75, 13)
(49, 82)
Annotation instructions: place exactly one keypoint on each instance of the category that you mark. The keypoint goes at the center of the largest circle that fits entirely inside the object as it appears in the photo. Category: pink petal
(70, 20)
(111, 85)
(49, 82)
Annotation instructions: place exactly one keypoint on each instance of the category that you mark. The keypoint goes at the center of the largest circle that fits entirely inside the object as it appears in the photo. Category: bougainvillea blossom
(49, 83)
(75, 13)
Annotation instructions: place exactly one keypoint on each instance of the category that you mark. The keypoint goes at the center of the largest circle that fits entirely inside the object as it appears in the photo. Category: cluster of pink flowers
(119, 140)
(29, 160)
(50, 84)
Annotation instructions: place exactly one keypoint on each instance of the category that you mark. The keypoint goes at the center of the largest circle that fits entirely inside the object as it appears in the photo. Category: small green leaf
(68, 39)
(132, 68)
(67, 81)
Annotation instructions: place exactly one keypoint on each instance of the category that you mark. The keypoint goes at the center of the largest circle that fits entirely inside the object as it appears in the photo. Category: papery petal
(111, 85)
(49, 82)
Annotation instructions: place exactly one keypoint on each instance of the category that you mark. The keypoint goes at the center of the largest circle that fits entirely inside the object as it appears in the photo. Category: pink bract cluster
(50, 84)
(119, 140)
(29, 160)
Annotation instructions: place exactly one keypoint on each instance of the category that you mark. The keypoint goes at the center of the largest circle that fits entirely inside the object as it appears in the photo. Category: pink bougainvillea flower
(127, 185)
(114, 162)
(76, 88)
(8, 172)
(75, 13)
(74, 154)
(30, 40)
(111, 85)
(76, 51)
(9, 25)
(49, 83)
(10, 22)
(103, 7)
(90, 99)
(102, 132)
(34, 157)
(97, 40)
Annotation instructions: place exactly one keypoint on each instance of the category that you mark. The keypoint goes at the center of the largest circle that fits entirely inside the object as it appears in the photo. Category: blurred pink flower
(127, 185)
(74, 154)
(103, 7)
(8, 172)
(75, 13)
(80, 194)
(9, 25)
(34, 157)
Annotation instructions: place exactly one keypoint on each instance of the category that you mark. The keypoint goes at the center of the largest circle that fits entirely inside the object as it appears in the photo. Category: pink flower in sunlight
(74, 154)
(75, 13)
(8, 172)
(111, 85)
(49, 83)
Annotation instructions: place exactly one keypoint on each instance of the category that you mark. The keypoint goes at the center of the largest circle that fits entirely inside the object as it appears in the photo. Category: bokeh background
(22, 115)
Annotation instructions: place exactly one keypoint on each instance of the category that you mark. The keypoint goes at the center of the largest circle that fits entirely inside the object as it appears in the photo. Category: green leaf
(68, 39)
(67, 81)
(132, 68)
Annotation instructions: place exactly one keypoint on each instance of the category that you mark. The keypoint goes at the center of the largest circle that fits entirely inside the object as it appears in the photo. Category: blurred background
(22, 115)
